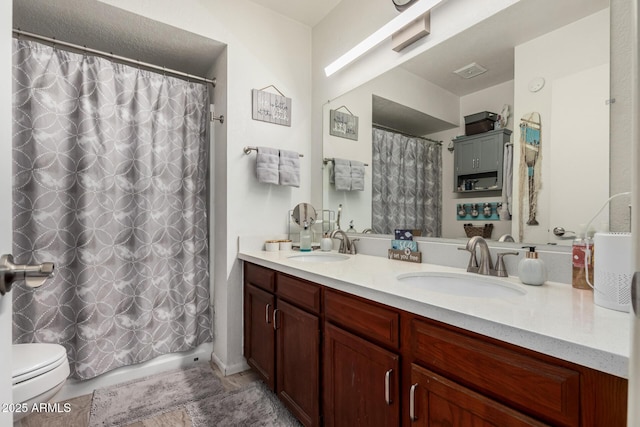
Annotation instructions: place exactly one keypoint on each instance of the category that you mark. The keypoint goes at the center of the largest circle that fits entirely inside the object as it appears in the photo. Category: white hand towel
(267, 165)
(289, 168)
(357, 176)
(342, 172)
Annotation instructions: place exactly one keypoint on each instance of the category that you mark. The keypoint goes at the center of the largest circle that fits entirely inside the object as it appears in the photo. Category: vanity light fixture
(384, 32)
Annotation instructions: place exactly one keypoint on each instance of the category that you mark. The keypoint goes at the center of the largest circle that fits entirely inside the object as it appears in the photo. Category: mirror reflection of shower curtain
(406, 184)
(110, 167)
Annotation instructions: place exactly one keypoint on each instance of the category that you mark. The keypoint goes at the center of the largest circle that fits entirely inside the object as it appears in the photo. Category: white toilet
(39, 372)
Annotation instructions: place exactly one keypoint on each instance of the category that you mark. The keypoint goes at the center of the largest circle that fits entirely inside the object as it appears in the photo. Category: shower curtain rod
(119, 58)
(406, 134)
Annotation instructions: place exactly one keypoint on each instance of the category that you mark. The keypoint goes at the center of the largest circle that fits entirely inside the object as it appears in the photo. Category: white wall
(564, 53)
(5, 211)
(264, 49)
(624, 51)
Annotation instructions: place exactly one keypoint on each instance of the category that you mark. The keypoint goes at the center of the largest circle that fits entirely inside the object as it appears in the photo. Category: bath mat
(252, 405)
(143, 398)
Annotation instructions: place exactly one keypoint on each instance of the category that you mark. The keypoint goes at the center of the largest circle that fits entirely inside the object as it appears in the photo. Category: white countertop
(552, 319)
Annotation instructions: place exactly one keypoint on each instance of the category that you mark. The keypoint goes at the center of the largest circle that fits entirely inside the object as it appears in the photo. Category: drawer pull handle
(387, 385)
(266, 313)
(275, 319)
(412, 403)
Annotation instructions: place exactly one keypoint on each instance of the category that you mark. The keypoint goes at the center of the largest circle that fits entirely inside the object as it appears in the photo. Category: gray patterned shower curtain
(407, 184)
(110, 183)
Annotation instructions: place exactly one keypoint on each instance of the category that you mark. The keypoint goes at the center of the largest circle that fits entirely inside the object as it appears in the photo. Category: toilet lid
(33, 359)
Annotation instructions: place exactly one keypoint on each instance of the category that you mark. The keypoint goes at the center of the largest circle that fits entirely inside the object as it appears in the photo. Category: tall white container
(612, 270)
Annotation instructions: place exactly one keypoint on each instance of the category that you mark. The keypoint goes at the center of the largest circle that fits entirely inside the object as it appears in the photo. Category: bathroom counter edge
(553, 319)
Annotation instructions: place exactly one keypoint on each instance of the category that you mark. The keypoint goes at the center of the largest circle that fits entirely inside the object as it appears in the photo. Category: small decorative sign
(405, 255)
(270, 107)
(404, 244)
(343, 125)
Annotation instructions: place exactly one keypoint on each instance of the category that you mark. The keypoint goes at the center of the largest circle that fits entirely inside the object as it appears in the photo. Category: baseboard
(229, 369)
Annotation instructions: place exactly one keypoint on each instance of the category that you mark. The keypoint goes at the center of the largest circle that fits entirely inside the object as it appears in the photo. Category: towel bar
(248, 150)
(327, 160)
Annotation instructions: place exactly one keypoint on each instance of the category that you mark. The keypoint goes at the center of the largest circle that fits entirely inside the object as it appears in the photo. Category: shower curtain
(407, 184)
(110, 182)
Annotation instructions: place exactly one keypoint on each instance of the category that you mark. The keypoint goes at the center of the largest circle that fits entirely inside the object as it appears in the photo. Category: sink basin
(462, 284)
(321, 257)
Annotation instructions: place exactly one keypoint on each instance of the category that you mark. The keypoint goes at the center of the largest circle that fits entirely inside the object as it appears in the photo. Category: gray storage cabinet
(478, 158)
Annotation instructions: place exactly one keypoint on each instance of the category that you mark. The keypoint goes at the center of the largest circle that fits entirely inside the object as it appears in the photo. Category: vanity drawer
(367, 319)
(304, 294)
(528, 384)
(259, 276)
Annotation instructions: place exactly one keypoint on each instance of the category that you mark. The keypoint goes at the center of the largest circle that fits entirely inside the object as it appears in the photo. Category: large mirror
(547, 57)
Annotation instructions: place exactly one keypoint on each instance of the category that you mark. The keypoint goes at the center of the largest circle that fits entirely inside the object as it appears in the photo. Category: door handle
(635, 294)
(275, 319)
(266, 313)
(387, 386)
(412, 402)
(33, 275)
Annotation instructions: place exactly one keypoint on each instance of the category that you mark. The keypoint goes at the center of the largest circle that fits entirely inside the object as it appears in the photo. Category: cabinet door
(259, 334)
(360, 381)
(436, 401)
(465, 157)
(541, 389)
(487, 152)
(298, 362)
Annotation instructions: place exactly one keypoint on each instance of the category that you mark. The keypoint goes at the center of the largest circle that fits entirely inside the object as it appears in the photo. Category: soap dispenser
(326, 244)
(305, 238)
(531, 268)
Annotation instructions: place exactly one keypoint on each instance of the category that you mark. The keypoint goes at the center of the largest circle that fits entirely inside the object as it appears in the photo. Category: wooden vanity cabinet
(462, 376)
(361, 363)
(543, 390)
(259, 334)
(282, 338)
(384, 366)
(436, 401)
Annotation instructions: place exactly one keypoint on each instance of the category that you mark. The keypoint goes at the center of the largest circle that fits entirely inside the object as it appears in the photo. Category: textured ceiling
(491, 43)
(110, 29)
(309, 12)
(399, 117)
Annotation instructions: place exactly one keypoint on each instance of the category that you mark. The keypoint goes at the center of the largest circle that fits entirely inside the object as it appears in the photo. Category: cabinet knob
(275, 319)
(266, 313)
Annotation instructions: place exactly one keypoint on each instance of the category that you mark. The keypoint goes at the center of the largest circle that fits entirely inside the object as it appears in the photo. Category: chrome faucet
(484, 265)
(345, 243)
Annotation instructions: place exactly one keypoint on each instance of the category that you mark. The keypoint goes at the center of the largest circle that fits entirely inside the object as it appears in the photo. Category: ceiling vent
(471, 70)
